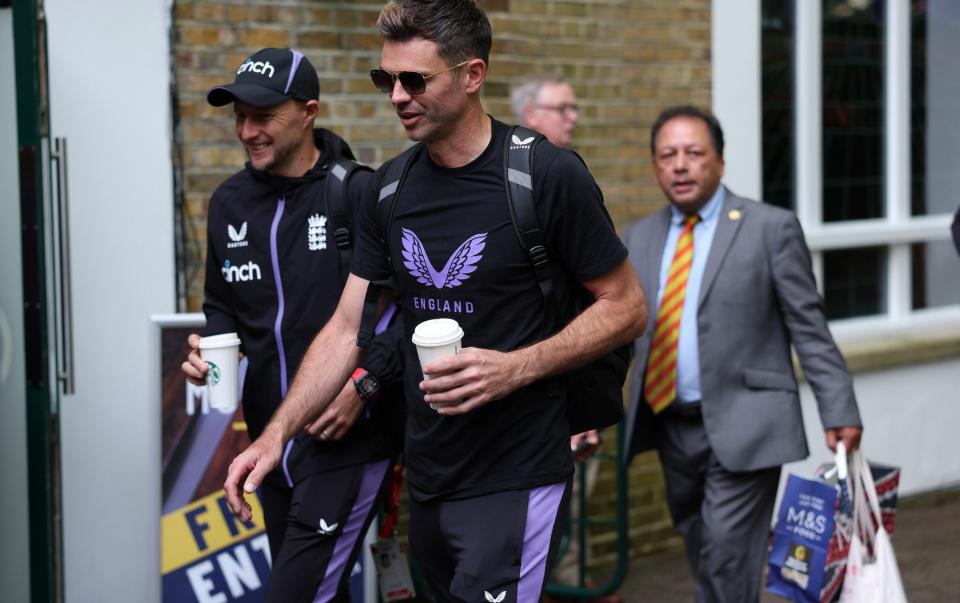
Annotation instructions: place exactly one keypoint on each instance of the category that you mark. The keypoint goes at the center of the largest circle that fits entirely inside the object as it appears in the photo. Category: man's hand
(195, 368)
(250, 467)
(340, 416)
(849, 435)
(461, 383)
(584, 445)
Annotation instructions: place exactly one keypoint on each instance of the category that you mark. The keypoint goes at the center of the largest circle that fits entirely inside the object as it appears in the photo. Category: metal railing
(582, 524)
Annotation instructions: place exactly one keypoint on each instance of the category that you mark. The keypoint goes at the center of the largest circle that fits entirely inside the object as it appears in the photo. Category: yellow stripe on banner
(202, 528)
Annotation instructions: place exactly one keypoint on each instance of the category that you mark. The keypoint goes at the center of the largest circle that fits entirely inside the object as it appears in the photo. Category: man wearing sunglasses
(487, 443)
(276, 218)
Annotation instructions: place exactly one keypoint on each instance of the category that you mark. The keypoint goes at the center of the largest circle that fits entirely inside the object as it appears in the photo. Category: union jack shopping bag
(887, 481)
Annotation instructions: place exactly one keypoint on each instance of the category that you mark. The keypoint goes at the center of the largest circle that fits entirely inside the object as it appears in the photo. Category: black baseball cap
(269, 77)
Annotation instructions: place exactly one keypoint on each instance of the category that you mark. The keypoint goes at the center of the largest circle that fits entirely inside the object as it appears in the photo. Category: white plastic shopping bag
(872, 574)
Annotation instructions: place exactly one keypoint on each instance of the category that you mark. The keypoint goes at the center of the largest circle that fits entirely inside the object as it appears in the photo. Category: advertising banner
(207, 555)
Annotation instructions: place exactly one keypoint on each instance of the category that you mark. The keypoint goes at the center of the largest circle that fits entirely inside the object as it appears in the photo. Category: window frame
(737, 102)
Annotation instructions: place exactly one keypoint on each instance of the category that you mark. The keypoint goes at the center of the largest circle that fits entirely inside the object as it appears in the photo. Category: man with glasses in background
(487, 441)
(549, 106)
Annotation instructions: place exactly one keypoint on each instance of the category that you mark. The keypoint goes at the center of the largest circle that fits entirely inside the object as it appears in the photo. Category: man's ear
(311, 110)
(529, 111)
(476, 74)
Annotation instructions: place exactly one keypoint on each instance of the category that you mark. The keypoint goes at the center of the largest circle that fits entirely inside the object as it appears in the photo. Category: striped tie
(660, 388)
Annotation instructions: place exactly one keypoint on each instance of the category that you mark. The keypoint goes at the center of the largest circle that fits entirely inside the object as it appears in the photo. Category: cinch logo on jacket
(256, 67)
(243, 273)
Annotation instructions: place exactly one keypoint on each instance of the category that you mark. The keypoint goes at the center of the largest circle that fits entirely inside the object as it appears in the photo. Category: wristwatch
(367, 385)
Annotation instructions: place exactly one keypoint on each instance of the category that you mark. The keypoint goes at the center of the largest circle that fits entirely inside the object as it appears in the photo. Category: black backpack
(342, 225)
(340, 217)
(594, 391)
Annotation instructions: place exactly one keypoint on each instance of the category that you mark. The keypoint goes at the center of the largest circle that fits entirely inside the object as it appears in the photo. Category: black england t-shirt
(455, 254)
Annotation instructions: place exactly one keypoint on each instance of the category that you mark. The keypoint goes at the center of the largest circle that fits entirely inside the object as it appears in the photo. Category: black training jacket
(273, 276)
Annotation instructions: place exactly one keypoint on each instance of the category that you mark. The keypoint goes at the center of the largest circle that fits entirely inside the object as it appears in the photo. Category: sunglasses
(412, 81)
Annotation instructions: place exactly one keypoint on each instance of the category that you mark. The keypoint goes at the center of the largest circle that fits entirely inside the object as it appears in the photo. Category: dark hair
(459, 28)
(712, 123)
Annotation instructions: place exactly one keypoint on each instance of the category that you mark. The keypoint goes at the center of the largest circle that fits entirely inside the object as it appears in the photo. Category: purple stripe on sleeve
(297, 57)
(542, 508)
(373, 476)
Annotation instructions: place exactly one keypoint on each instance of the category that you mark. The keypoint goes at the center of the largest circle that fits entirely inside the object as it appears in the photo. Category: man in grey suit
(714, 389)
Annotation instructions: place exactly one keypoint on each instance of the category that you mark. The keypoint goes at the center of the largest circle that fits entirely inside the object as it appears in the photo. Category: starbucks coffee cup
(436, 338)
(222, 355)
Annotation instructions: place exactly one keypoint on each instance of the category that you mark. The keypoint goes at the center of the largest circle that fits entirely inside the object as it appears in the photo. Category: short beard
(282, 154)
(445, 123)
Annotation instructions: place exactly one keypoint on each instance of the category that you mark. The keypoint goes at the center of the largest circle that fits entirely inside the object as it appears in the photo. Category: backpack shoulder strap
(340, 215)
(393, 178)
(396, 172)
(518, 156)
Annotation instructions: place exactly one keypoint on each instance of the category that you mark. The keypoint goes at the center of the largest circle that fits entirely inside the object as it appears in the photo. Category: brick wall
(626, 59)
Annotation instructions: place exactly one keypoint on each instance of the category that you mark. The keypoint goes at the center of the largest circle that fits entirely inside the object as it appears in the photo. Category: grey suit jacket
(757, 297)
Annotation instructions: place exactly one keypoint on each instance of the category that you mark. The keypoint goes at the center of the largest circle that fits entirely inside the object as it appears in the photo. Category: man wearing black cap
(278, 243)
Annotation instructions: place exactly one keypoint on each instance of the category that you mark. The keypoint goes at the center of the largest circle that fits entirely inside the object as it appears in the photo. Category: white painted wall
(14, 562)
(909, 415)
(109, 78)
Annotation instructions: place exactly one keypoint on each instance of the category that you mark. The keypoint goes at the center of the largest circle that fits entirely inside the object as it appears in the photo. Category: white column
(897, 153)
(808, 108)
(808, 125)
(736, 92)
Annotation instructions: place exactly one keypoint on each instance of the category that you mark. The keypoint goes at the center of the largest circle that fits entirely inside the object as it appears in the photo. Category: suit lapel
(727, 228)
(654, 259)
(654, 237)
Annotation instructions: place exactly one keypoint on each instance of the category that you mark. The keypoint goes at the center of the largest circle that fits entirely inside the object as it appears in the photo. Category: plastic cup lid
(436, 332)
(224, 340)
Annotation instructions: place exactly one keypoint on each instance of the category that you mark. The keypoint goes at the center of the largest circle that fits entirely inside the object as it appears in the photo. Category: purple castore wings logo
(455, 271)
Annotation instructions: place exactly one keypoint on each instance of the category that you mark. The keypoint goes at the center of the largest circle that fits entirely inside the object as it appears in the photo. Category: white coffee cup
(436, 338)
(222, 355)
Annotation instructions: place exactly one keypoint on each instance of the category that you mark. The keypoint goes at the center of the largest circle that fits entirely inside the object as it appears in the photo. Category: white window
(855, 118)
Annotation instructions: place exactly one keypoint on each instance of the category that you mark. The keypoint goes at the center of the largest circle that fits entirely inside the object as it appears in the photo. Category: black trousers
(491, 548)
(316, 530)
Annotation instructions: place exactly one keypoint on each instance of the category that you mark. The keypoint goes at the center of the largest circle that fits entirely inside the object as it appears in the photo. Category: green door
(30, 561)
